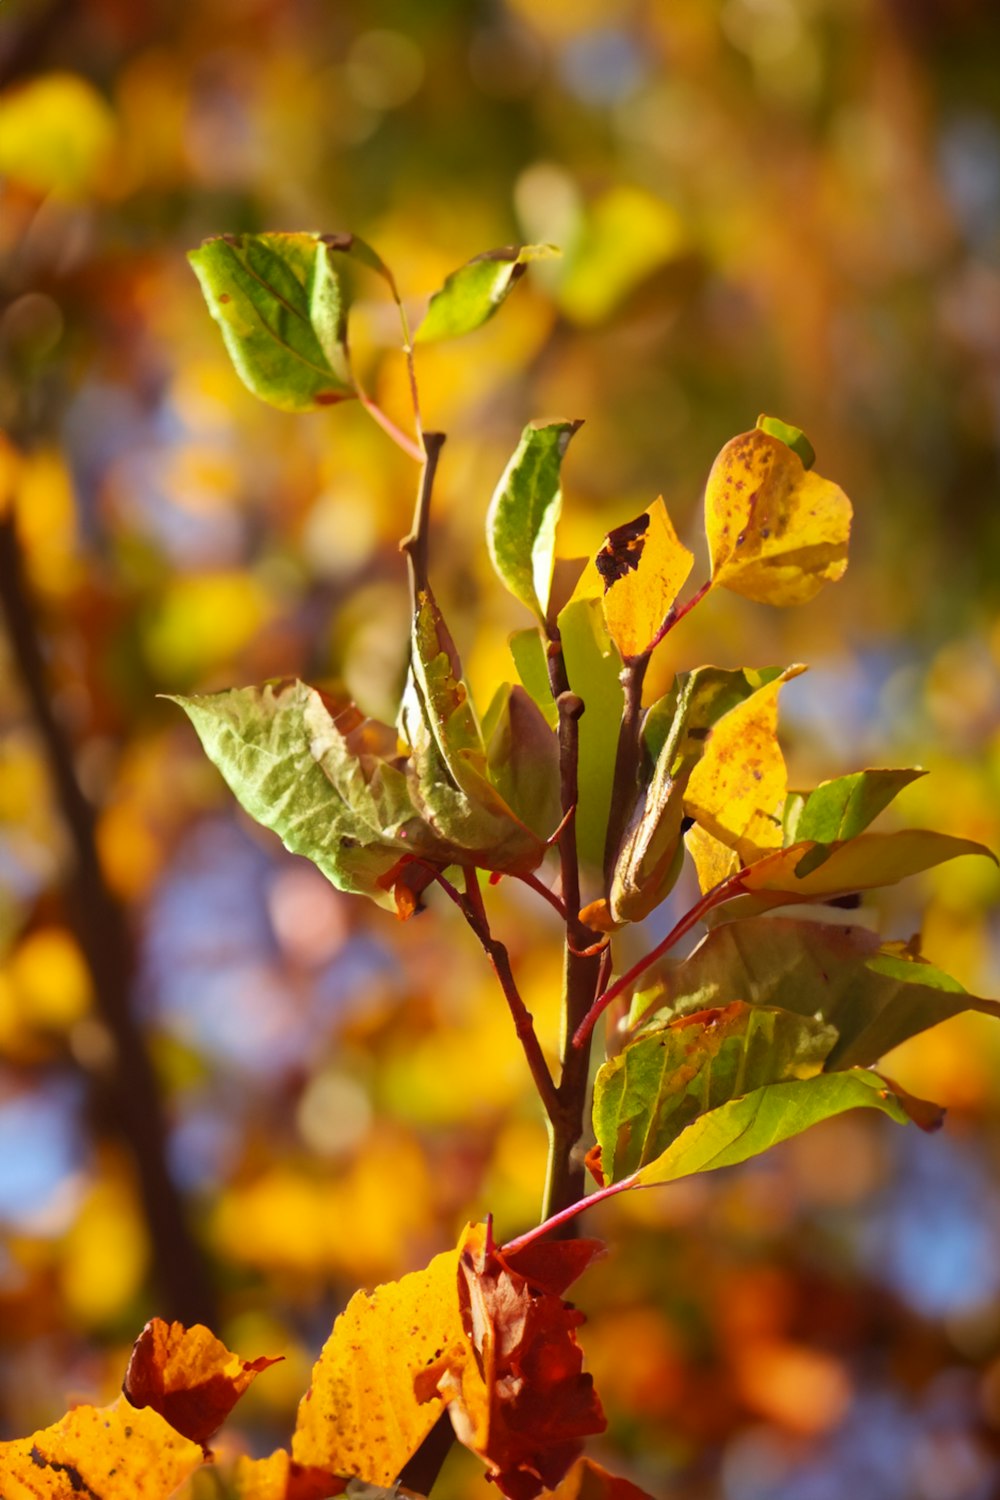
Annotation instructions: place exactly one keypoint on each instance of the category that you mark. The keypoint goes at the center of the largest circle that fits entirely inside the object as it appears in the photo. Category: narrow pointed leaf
(281, 308)
(873, 995)
(746, 1127)
(522, 516)
(776, 531)
(858, 864)
(675, 733)
(449, 776)
(593, 666)
(670, 1075)
(472, 294)
(843, 808)
(644, 566)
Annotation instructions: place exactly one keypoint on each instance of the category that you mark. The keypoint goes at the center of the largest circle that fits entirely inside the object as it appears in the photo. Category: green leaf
(280, 305)
(792, 437)
(746, 1127)
(668, 1077)
(863, 863)
(319, 780)
(449, 771)
(473, 293)
(527, 647)
(522, 516)
(843, 808)
(593, 667)
(675, 732)
(873, 995)
(523, 759)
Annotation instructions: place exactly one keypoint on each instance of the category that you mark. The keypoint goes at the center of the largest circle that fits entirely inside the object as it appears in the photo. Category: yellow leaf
(644, 567)
(714, 862)
(373, 1397)
(280, 1478)
(776, 531)
(107, 1451)
(736, 789)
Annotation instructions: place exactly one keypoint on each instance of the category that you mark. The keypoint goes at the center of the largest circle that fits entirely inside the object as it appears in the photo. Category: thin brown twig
(415, 545)
(496, 952)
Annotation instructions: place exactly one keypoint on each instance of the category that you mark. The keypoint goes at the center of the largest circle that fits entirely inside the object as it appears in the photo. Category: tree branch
(106, 944)
(415, 545)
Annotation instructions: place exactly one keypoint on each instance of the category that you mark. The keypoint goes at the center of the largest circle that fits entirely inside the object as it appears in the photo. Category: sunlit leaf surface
(776, 531)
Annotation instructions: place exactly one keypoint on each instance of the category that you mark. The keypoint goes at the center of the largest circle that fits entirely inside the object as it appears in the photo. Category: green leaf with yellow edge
(737, 789)
(669, 1076)
(844, 807)
(283, 315)
(472, 294)
(874, 995)
(527, 647)
(448, 773)
(327, 783)
(522, 516)
(373, 1397)
(76, 1455)
(675, 733)
(593, 667)
(792, 437)
(644, 566)
(776, 531)
(745, 1127)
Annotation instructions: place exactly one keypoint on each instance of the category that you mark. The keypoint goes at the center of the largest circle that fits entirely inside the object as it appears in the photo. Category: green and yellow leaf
(279, 303)
(473, 293)
(522, 516)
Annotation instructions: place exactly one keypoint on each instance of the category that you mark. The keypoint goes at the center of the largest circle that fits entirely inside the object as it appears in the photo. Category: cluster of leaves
(770, 1025)
(769, 1048)
(481, 1332)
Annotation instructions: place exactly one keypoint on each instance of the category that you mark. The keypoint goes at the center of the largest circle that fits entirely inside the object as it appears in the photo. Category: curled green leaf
(522, 516)
(472, 294)
(281, 308)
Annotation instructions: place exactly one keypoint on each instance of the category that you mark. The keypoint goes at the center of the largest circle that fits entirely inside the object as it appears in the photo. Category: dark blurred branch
(106, 943)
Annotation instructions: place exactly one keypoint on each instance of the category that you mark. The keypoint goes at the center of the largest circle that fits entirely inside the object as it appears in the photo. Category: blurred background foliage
(780, 205)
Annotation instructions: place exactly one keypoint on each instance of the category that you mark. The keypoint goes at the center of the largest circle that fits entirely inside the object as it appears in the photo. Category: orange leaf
(281, 1478)
(188, 1376)
(373, 1397)
(588, 1481)
(105, 1451)
(643, 566)
(523, 1404)
(776, 531)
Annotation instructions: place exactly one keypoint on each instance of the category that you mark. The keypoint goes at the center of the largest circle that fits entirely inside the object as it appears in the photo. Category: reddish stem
(544, 891)
(677, 612)
(714, 897)
(566, 1214)
(410, 448)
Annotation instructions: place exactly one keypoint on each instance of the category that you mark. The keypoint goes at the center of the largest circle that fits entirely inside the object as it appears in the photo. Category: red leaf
(188, 1376)
(525, 1404)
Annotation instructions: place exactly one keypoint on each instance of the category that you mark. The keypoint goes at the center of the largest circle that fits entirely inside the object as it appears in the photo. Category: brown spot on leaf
(622, 550)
